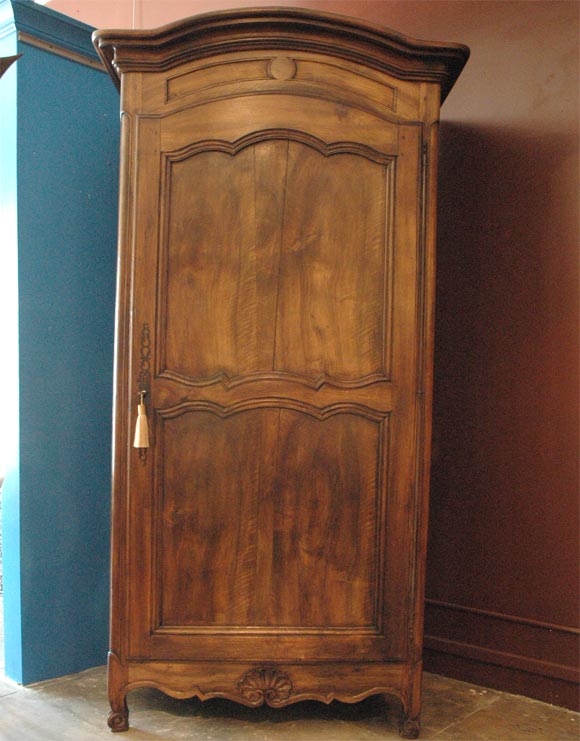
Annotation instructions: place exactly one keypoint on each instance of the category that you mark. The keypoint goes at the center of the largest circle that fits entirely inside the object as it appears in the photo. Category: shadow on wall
(504, 473)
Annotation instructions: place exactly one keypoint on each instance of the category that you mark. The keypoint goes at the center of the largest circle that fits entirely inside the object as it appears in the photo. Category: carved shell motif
(265, 685)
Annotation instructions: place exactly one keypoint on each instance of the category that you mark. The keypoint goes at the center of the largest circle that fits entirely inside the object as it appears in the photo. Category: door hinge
(424, 154)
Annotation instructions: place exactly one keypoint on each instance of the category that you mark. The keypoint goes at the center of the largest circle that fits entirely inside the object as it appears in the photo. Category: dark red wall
(503, 577)
(503, 550)
(502, 585)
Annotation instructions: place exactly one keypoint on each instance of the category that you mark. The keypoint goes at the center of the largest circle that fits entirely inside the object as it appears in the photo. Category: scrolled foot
(409, 728)
(118, 720)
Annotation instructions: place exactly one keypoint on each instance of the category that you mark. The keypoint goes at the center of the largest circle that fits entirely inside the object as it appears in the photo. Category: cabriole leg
(409, 727)
(118, 719)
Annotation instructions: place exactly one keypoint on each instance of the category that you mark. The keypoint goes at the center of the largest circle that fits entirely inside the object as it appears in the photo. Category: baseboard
(505, 652)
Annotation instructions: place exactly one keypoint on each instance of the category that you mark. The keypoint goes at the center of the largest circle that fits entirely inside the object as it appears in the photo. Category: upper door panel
(265, 262)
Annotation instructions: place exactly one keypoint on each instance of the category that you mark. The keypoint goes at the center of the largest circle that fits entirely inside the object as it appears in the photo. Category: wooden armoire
(275, 315)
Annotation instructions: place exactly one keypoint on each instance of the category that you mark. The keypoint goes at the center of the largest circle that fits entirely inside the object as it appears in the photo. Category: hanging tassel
(141, 427)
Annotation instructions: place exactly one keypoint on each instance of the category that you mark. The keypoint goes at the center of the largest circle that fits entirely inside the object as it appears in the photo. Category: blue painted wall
(67, 174)
(9, 425)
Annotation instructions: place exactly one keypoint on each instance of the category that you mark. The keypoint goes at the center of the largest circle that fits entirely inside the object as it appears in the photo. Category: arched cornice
(245, 29)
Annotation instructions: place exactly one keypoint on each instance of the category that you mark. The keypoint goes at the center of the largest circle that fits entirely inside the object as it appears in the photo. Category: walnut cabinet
(275, 303)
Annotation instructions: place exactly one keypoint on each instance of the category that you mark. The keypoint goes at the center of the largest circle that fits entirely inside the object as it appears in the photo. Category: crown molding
(48, 30)
(163, 48)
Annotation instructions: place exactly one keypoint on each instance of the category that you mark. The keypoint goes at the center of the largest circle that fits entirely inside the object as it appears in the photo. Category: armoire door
(274, 311)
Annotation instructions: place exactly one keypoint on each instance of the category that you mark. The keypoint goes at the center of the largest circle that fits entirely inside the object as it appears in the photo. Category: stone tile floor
(76, 707)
